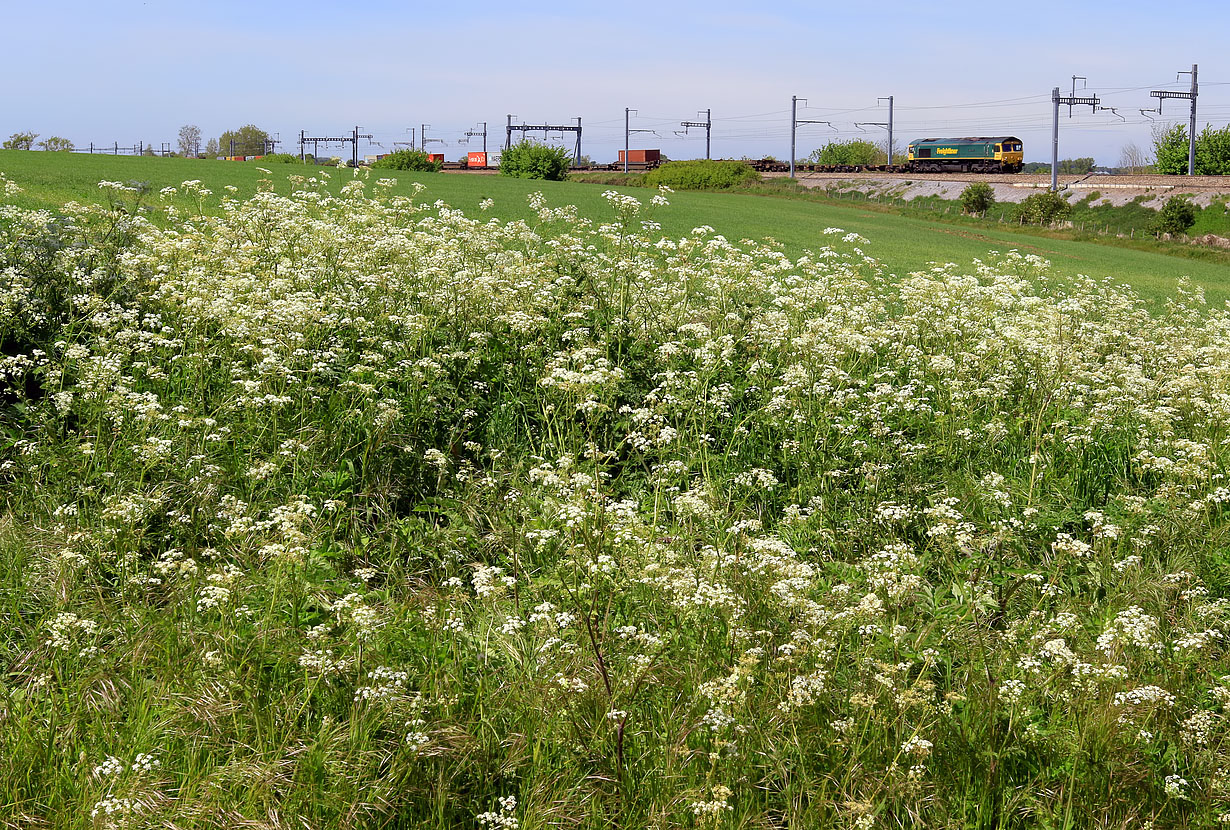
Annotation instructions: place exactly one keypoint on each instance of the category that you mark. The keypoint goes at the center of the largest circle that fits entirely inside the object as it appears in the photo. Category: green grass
(341, 513)
(903, 243)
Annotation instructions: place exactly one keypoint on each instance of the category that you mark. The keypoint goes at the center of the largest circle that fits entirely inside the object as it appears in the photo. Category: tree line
(248, 140)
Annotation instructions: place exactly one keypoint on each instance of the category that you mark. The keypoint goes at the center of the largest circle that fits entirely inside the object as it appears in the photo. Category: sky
(129, 71)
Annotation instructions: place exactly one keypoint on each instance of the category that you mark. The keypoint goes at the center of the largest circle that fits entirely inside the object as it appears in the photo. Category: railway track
(1039, 180)
(1032, 179)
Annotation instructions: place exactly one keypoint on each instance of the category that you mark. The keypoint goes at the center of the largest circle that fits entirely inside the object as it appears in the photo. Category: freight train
(972, 154)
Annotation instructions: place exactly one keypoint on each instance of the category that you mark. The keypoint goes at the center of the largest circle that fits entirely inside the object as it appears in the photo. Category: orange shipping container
(641, 156)
(476, 160)
(435, 157)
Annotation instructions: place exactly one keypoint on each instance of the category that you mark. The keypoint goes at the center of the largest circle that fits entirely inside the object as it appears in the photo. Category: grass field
(903, 244)
(330, 510)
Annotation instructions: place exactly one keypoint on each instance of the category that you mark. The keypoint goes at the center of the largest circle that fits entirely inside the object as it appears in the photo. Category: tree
(1043, 208)
(1213, 151)
(847, 153)
(1077, 167)
(1170, 148)
(407, 160)
(1176, 216)
(250, 140)
(535, 161)
(900, 155)
(149, 149)
(1134, 159)
(977, 198)
(211, 148)
(56, 144)
(190, 140)
(21, 141)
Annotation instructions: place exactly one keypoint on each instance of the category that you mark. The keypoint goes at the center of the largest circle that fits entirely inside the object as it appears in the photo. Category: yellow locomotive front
(1011, 154)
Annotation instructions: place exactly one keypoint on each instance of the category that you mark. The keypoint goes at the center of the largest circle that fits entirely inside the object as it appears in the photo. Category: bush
(1176, 216)
(282, 158)
(527, 160)
(977, 198)
(1043, 209)
(56, 144)
(848, 153)
(702, 175)
(407, 160)
(21, 141)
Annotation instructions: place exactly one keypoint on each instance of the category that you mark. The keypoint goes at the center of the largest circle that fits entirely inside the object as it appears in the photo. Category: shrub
(527, 160)
(977, 198)
(1176, 216)
(282, 158)
(56, 144)
(21, 141)
(407, 160)
(851, 153)
(1043, 208)
(702, 175)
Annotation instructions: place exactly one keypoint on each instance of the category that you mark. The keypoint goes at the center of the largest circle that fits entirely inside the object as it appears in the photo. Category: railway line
(1026, 180)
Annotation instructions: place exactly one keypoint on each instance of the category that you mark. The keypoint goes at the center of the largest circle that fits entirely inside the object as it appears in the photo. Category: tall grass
(356, 511)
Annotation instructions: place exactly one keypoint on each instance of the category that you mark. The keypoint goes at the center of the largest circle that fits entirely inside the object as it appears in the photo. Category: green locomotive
(1000, 154)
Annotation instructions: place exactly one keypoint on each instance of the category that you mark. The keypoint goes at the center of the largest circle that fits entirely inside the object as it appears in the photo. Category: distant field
(904, 244)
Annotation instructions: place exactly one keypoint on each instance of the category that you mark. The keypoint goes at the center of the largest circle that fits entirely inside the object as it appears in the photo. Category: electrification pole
(794, 108)
(1075, 78)
(1191, 133)
(886, 124)
(890, 129)
(483, 133)
(794, 122)
(354, 146)
(1056, 100)
(627, 132)
(1191, 130)
(707, 124)
(627, 119)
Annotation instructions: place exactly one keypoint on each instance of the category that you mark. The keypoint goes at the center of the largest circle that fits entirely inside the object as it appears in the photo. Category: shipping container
(476, 160)
(435, 157)
(641, 156)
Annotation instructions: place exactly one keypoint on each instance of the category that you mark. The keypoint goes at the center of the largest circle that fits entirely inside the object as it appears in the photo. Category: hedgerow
(702, 175)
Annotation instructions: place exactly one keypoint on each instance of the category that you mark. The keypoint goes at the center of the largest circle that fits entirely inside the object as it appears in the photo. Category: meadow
(329, 505)
(902, 243)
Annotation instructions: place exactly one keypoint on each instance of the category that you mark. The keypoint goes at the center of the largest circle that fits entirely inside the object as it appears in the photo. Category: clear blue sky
(128, 71)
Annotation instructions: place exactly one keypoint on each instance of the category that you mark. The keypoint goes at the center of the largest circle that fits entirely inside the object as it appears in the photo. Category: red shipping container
(476, 160)
(435, 157)
(641, 156)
